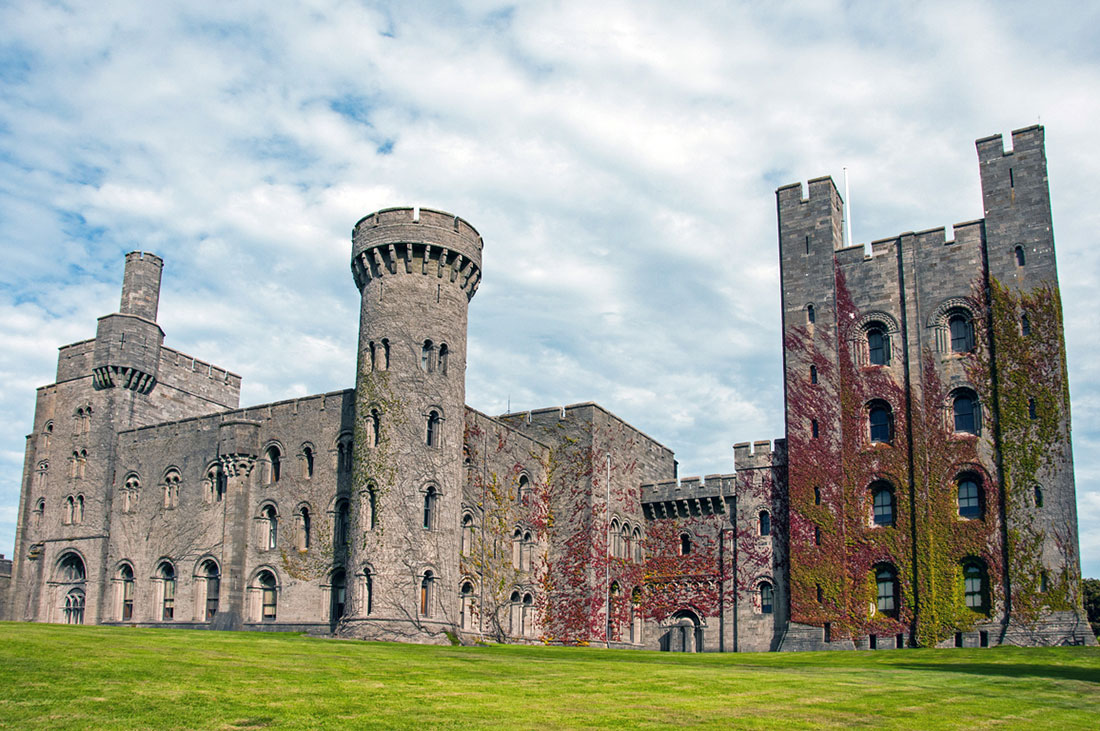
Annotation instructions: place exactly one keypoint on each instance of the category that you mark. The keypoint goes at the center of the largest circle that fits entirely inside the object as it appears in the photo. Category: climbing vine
(1033, 408)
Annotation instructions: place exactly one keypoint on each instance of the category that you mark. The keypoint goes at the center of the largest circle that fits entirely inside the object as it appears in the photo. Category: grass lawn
(53, 676)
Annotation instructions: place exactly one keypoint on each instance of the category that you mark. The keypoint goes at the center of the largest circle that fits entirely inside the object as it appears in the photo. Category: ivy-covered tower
(930, 471)
(416, 270)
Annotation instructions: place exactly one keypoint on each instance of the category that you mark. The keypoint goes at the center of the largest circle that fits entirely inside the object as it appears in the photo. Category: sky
(620, 160)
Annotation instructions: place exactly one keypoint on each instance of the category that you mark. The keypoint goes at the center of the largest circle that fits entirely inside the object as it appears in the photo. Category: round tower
(416, 270)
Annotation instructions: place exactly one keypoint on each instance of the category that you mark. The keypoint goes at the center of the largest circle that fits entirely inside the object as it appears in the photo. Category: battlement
(791, 194)
(171, 358)
(564, 413)
(1024, 139)
(690, 496)
(964, 233)
(416, 240)
(258, 414)
(762, 454)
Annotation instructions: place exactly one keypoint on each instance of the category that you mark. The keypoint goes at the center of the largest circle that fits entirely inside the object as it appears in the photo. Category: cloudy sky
(619, 158)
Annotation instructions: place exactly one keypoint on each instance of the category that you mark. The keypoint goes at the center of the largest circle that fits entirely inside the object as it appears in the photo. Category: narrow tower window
(432, 436)
(878, 347)
(426, 356)
(811, 317)
(962, 333)
(1020, 258)
(443, 353)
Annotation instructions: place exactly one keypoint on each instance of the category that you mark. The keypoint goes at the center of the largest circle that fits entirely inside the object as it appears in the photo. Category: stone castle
(923, 495)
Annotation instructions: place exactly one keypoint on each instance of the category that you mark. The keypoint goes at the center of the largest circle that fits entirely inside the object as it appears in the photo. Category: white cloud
(620, 161)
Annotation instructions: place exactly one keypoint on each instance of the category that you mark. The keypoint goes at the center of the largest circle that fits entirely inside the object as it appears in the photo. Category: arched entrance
(684, 633)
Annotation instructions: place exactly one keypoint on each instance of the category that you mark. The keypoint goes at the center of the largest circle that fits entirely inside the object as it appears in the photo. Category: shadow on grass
(1009, 670)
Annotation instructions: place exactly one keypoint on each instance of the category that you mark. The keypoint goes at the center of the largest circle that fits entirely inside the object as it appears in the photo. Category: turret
(127, 348)
(416, 270)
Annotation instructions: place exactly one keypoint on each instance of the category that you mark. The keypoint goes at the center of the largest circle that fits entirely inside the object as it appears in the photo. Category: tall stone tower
(930, 469)
(416, 270)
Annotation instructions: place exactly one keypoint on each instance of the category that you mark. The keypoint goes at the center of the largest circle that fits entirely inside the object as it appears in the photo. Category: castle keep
(923, 494)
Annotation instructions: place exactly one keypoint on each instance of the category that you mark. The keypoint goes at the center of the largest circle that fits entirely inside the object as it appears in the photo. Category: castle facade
(923, 495)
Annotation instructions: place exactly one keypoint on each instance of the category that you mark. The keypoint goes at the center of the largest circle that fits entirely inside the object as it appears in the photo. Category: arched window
(1025, 325)
(78, 509)
(523, 489)
(467, 534)
(882, 498)
(171, 489)
(811, 316)
(517, 549)
(526, 619)
(367, 589)
(887, 583)
(813, 374)
(880, 421)
(764, 523)
(426, 356)
(965, 410)
(813, 428)
(70, 569)
(269, 523)
(269, 596)
(624, 542)
(432, 435)
(817, 496)
(70, 510)
(817, 535)
(685, 544)
(878, 346)
(962, 333)
(307, 462)
(515, 610)
(613, 538)
(443, 353)
(47, 433)
(126, 592)
(466, 605)
(380, 355)
(636, 541)
(42, 471)
(636, 615)
(429, 508)
(1020, 258)
(1038, 492)
(74, 607)
(374, 428)
(426, 594)
(369, 507)
(339, 594)
(340, 533)
(274, 463)
(767, 597)
(39, 511)
(167, 575)
(211, 581)
(970, 497)
(528, 551)
(214, 484)
(303, 528)
(975, 590)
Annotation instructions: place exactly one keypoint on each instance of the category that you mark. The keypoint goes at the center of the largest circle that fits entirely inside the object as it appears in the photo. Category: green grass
(101, 677)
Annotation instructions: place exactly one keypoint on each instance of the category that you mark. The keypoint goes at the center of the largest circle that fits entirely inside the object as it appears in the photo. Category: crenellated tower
(416, 270)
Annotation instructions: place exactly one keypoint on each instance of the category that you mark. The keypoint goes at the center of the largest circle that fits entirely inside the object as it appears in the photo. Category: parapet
(416, 240)
(690, 496)
(1027, 138)
(762, 454)
(791, 194)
